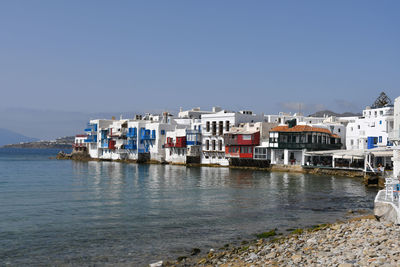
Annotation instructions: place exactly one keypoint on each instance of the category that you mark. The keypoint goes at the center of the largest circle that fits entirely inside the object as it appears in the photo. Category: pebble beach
(362, 241)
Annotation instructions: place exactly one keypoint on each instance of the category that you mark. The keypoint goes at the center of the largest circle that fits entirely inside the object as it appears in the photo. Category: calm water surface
(77, 213)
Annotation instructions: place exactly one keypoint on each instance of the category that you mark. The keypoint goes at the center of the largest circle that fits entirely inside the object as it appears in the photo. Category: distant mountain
(50, 124)
(331, 113)
(10, 137)
(60, 143)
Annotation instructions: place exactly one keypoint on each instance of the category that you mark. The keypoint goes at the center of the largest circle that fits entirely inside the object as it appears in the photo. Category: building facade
(289, 143)
(214, 126)
(371, 130)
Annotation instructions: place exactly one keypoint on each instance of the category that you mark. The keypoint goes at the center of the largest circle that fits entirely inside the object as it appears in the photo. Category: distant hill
(60, 143)
(331, 113)
(10, 137)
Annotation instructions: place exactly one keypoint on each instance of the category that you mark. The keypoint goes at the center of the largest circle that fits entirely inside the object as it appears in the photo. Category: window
(227, 126)
(207, 144)
(358, 127)
(338, 130)
(380, 122)
(220, 127)
(246, 137)
(213, 144)
(214, 128)
(351, 142)
(380, 139)
(207, 126)
(220, 144)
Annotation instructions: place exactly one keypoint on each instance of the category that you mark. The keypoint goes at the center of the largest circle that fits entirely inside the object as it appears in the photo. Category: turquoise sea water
(56, 212)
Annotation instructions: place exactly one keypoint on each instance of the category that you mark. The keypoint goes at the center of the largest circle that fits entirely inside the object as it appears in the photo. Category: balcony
(147, 135)
(104, 145)
(131, 134)
(169, 145)
(130, 146)
(79, 145)
(241, 139)
(308, 146)
(91, 139)
(91, 128)
(193, 143)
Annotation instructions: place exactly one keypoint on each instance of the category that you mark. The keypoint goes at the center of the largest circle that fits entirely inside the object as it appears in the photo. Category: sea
(70, 213)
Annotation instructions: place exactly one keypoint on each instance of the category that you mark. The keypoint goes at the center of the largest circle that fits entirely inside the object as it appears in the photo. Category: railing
(131, 135)
(390, 195)
(193, 143)
(147, 137)
(91, 128)
(104, 145)
(130, 146)
(168, 145)
(191, 131)
(79, 145)
(91, 139)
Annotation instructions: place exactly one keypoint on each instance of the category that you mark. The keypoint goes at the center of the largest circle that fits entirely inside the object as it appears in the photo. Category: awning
(383, 153)
(348, 157)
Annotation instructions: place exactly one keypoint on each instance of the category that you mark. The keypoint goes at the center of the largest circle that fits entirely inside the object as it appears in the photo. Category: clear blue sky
(104, 56)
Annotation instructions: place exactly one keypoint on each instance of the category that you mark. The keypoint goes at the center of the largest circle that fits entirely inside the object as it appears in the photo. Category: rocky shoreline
(361, 241)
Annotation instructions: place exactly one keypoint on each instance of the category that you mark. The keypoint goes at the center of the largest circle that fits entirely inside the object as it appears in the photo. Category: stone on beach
(360, 242)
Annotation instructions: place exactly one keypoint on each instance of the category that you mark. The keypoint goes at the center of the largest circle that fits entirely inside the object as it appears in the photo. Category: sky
(138, 56)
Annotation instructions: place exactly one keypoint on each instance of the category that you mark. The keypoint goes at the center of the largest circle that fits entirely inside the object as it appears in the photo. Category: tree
(382, 101)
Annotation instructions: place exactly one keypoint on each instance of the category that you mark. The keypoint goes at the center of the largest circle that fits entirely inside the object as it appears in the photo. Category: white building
(80, 143)
(371, 130)
(194, 113)
(143, 137)
(183, 146)
(283, 118)
(214, 126)
(94, 130)
(395, 138)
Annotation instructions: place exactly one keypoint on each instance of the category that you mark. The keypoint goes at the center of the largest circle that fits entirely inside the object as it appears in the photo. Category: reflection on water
(67, 212)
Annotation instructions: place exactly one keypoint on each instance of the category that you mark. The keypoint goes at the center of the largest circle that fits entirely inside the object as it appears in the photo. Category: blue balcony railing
(147, 134)
(91, 128)
(131, 135)
(91, 139)
(193, 143)
(104, 145)
(130, 146)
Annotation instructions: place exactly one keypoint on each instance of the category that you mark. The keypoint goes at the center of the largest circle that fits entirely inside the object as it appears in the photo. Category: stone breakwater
(360, 242)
